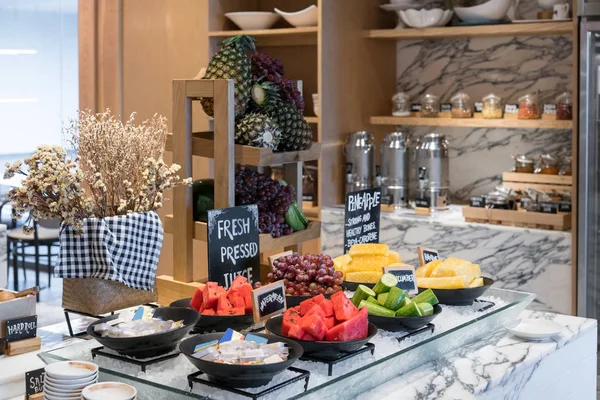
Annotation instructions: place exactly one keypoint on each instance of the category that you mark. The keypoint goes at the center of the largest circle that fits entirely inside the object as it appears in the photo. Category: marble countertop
(483, 365)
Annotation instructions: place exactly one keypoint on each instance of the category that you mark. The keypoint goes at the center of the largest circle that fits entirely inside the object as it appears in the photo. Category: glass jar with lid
(462, 107)
(564, 106)
(492, 106)
(523, 164)
(548, 165)
(528, 107)
(401, 105)
(566, 166)
(430, 106)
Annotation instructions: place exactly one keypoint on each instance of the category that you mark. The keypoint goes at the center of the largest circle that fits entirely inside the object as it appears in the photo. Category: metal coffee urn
(432, 171)
(395, 163)
(360, 161)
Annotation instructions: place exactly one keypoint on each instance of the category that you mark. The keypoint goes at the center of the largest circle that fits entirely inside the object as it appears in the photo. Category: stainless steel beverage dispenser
(395, 163)
(432, 171)
(360, 161)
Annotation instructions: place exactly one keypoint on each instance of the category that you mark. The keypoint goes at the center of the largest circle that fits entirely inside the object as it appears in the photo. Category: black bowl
(239, 376)
(150, 345)
(461, 297)
(209, 323)
(328, 350)
(396, 324)
(354, 285)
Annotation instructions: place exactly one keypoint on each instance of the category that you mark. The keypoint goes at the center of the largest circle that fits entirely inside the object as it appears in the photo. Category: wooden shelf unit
(306, 36)
(312, 120)
(472, 122)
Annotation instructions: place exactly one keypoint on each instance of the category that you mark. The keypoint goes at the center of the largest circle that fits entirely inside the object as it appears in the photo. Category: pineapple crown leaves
(265, 92)
(244, 42)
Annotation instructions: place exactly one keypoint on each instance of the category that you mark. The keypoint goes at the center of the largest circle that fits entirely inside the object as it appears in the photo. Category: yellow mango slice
(425, 270)
(451, 282)
(452, 267)
(339, 261)
(475, 271)
(367, 263)
(476, 282)
(394, 257)
(369, 249)
(364, 277)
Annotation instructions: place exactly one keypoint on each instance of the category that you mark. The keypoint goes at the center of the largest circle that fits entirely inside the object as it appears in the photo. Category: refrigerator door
(588, 8)
(588, 273)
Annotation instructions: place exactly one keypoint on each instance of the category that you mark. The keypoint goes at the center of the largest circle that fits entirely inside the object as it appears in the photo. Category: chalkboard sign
(233, 244)
(445, 107)
(34, 382)
(406, 277)
(427, 255)
(478, 105)
(20, 328)
(548, 207)
(511, 108)
(477, 201)
(415, 107)
(422, 203)
(564, 205)
(268, 301)
(361, 217)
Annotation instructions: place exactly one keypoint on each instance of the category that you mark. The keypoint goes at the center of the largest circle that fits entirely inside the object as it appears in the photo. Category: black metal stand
(428, 327)
(67, 311)
(486, 304)
(343, 357)
(303, 374)
(98, 351)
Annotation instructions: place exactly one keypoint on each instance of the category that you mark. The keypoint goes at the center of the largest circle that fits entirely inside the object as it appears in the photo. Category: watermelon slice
(318, 299)
(308, 337)
(209, 311)
(236, 299)
(291, 316)
(306, 305)
(329, 322)
(223, 304)
(238, 282)
(316, 310)
(197, 298)
(245, 291)
(296, 332)
(327, 307)
(314, 325)
(353, 329)
(342, 306)
(210, 294)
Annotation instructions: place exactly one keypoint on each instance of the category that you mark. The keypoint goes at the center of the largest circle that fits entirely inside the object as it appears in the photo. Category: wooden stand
(220, 146)
(545, 183)
(23, 346)
(524, 219)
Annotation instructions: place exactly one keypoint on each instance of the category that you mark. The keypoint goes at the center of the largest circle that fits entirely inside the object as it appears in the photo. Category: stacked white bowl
(66, 380)
(109, 390)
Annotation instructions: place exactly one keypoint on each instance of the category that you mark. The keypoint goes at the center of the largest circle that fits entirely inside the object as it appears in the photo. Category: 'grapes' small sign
(406, 277)
(361, 217)
(233, 244)
(268, 301)
(427, 255)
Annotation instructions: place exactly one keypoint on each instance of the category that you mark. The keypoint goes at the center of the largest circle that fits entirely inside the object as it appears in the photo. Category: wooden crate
(525, 219)
(545, 183)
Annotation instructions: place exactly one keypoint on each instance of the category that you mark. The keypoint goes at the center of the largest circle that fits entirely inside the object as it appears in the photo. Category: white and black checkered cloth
(124, 249)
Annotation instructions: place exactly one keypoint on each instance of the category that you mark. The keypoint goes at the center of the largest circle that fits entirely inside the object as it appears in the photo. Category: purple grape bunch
(306, 275)
(272, 198)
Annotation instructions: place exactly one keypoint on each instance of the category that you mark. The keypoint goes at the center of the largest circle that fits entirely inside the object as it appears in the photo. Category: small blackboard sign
(445, 107)
(548, 207)
(34, 382)
(478, 105)
(422, 203)
(477, 201)
(549, 109)
(20, 328)
(427, 255)
(511, 109)
(564, 205)
(361, 217)
(415, 107)
(268, 301)
(233, 244)
(406, 277)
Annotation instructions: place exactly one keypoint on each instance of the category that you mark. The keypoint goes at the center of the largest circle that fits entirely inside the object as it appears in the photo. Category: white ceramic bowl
(307, 17)
(425, 18)
(109, 390)
(249, 20)
(493, 10)
(68, 370)
(548, 4)
(316, 108)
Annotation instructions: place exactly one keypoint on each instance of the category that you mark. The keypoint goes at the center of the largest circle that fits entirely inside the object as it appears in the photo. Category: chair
(46, 233)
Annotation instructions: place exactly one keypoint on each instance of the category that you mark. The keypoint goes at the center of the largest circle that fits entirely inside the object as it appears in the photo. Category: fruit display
(318, 319)
(257, 130)
(213, 299)
(136, 322)
(306, 275)
(451, 273)
(364, 262)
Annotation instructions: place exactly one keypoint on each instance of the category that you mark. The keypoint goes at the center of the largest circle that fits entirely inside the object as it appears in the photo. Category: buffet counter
(531, 260)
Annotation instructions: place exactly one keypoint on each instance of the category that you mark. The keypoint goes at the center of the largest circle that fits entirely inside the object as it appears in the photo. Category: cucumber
(409, 310)
(395, 298)
(426, 296)
(405, 302)
(381, 298)
(375, 309)
(372, 299)
(203, 194)
(362, 293)
(426, 308)
(292, 219)
(300, 214)
(386, 282)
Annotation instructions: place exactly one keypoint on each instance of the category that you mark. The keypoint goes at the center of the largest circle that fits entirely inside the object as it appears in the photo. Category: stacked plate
(66, 380)
(109, 390)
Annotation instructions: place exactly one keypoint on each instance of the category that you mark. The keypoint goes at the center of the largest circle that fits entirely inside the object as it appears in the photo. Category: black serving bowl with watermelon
(236, 375)
(325, 327)
(219, 308)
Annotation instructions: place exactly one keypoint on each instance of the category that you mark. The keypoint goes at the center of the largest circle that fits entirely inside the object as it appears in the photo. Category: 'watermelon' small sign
(268, 301)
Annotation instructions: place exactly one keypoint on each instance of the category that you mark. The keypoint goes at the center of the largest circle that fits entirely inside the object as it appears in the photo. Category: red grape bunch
(272, 198)
(306, 275)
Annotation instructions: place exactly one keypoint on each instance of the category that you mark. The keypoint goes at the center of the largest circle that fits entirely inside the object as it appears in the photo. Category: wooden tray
(525, 219)
(545, 183)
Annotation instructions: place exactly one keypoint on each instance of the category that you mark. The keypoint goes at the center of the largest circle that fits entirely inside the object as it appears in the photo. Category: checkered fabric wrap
(124, 249)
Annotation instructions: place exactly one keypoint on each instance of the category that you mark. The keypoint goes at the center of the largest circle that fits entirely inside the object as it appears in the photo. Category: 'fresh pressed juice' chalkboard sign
(406, 277)
(233, 244)
(34, 382)
(20, 328)
(268, 301)
(361, 217)
(427, 255)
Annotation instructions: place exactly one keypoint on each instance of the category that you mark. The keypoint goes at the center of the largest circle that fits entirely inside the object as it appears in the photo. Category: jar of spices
(492, 106)
(523, 164)
(430, 106)
(461, 105)
(548, 165)
(566, 166)
(528, 107)
(564, 106)
(401, 105)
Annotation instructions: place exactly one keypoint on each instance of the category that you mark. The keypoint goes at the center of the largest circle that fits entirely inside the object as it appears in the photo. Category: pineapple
(296, 134)
(231, 62)
(257, 130)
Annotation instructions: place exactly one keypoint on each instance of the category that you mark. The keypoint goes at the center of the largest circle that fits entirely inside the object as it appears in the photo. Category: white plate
(109, 390)
(532, 21)
(48, 396)
(66, 370)
(59, 393)
(72, 382)
(61, 387)
(533, 329)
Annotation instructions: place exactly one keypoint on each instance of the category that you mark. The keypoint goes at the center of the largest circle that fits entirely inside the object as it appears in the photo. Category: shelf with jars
(472, 122)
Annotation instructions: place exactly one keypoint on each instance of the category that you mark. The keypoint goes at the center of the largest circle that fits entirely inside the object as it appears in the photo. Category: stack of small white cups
(66, 380)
